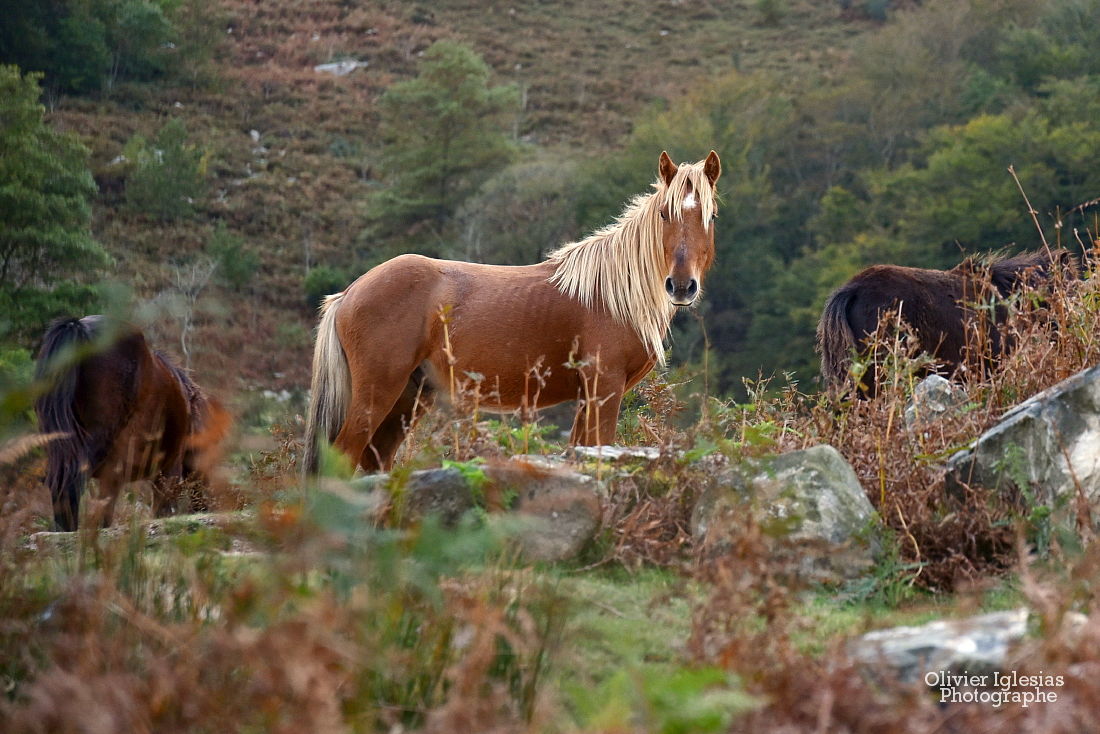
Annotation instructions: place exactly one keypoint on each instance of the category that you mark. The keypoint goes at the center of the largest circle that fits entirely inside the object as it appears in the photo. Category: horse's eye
(664, 216)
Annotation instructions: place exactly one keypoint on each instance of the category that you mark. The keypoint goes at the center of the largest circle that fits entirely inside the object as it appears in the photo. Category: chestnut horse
(586, 324)
(122, 413)
(940, 306)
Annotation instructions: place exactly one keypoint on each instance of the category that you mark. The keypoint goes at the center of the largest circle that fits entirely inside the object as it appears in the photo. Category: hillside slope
(292, 151)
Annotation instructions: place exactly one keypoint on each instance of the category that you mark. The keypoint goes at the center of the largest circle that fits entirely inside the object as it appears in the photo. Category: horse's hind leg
(99, 506)
(66, 498)
(373, 401)
(415, 399)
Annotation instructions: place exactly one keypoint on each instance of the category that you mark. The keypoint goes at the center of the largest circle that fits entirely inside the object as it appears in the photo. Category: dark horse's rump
(936, 304)
(123, 413)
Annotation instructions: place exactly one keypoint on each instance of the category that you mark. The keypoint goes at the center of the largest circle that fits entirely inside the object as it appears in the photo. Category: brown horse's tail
(206, 449)
(66, 455)
(836, 340)
(330, 390)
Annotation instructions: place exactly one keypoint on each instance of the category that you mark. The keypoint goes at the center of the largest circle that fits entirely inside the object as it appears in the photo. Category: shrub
(169, 175)
(322, 281)
(771, 11)
(236, 263)
(520, 214)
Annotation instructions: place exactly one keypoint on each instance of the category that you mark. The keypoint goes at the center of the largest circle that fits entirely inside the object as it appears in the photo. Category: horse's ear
(668, 168)
(712, 167)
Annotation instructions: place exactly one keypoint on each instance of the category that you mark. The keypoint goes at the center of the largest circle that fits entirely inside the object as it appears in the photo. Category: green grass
(624, 620)
(623, 658)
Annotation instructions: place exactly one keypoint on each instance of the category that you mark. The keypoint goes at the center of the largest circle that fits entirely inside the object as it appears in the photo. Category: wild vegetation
(234, 186)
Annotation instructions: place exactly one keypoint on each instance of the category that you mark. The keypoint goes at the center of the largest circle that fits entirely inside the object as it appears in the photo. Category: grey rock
(340, 68)
(559, 510)
(230, 531)
(934, 396)
(617, 453)
(977, 644)
(814, 494)
(1050, 442)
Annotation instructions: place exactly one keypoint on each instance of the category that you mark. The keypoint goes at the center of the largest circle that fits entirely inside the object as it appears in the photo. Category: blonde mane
(622, 266)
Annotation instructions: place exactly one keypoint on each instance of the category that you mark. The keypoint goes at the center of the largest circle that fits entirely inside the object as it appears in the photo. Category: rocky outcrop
(816, 497)
(616, 453)
(1043, 450)
(977, 644)
(227, 532)
(559, 510)
(340, 68)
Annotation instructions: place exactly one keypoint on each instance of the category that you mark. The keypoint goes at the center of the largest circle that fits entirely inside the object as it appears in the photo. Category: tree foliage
(902, 158)
(47, 253)
(168, 173)
(84, 45)
(519, 215)
(236, 262)
(444, 132)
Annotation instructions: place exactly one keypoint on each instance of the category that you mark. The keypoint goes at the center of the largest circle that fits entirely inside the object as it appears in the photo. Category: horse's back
(133, 408)
(497, 321)
(106, 383)
(920, 295)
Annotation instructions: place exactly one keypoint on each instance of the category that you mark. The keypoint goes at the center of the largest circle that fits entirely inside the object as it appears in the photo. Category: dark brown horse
(122, 413)
(939, 306)
(587, 324)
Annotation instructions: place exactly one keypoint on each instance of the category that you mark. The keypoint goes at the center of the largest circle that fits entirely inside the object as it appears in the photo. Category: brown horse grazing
(587, 324)
(937, 305)
(124, 413)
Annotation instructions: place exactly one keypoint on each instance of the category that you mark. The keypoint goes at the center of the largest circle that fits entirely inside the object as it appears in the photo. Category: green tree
(169, 174)
(322, 281)
(47, 253)
(84, 45)
(236, 263)
(519, 215)
(445, 132)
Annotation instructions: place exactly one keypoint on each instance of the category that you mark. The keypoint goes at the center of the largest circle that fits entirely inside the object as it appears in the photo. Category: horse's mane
(622, 266)
(196, 397)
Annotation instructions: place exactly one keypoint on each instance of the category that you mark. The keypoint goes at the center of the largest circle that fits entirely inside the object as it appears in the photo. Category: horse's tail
(211, 424)
(66, 454)
(330, 389)
(836, 340)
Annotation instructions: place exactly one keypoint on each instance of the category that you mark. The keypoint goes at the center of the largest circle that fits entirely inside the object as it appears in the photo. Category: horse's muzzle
(682, 292)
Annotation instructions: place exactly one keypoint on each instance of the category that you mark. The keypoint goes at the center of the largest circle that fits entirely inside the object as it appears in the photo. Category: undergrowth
(309, 611)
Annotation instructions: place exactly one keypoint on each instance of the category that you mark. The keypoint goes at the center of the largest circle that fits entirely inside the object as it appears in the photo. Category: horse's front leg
(597, 415)
(166, 489)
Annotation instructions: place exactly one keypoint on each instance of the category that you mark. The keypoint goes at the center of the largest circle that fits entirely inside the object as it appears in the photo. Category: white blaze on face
(689, 201)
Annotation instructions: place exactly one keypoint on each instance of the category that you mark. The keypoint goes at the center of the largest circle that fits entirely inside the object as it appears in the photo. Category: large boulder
(816, 497)
(559, 510)
(977, 644)
(1043, 449)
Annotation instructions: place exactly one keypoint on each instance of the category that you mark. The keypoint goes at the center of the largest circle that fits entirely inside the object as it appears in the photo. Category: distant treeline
(86, 45)
(900, 157)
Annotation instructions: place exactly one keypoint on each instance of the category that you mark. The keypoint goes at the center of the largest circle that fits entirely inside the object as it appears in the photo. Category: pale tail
(330, 389)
